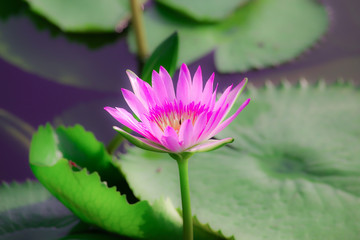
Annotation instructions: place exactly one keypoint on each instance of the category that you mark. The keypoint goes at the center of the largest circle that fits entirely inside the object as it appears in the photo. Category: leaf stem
(114, 143)
(137, 20)
(185, 198)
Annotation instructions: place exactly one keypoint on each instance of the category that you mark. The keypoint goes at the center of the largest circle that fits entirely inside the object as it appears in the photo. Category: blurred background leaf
(29, 211)
(204, 10)
(84, 15)
(75, 59)
(17, 8)
(260, 34)
(61, 60)
(165, 55)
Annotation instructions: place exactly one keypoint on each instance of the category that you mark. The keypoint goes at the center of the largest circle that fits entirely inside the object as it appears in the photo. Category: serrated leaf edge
(303, 83)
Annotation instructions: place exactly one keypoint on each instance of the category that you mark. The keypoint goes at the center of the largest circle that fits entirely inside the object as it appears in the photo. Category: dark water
(48, 76)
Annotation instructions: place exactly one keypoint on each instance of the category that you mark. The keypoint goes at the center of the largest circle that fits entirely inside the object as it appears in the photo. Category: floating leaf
(17, 195)
(82, 148)
(15, 8)
(83, 15)
(263, 33)
(86, 194)
(165, 55)
(204, 10)
(292, 172)
(29, 211)
(62, 60)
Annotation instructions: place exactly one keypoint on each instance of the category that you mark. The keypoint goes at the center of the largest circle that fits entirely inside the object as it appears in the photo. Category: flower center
(174, 114)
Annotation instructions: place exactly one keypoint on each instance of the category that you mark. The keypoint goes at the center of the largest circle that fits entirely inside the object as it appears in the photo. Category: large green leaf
(83, 149)
(88, 196)
(262, 33)
(293, 172)
(83, 15)
(29, 211)
(204, 10)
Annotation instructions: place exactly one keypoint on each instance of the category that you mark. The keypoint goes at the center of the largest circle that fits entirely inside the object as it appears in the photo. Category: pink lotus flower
(181, 122)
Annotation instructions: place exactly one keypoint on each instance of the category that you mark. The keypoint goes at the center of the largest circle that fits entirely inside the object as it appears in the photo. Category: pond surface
(47, 76)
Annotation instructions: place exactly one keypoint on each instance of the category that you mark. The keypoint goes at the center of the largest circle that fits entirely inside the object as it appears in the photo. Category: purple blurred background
(75, 82)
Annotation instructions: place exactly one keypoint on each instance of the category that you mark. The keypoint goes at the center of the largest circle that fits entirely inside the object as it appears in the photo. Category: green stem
(137, 21)
(185, 198)
(114, 143)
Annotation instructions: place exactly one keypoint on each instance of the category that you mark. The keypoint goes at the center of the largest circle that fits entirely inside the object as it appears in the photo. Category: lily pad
(62, 60)
(292, 173)
(260, 34)
(29, 211)
(17, 195)
(61, 158)
(84, 15)
(204, 10)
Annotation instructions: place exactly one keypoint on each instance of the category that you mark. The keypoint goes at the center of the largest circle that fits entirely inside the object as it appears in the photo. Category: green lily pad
(62, 60)
(61, 158)
(84, 15)
(204, 10)
(260, 34)
(15, 8)
(293, 171)
(29, 211)
(17, 195)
